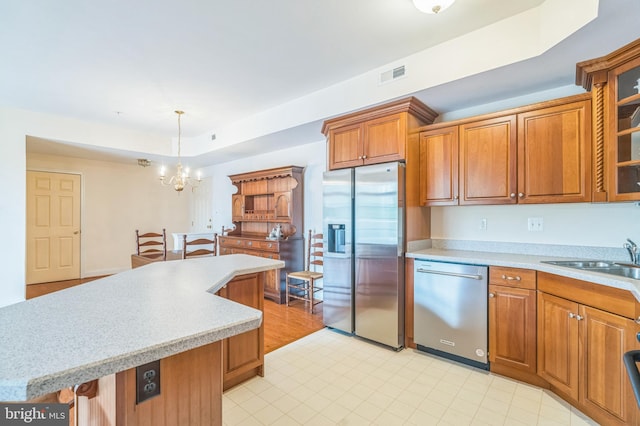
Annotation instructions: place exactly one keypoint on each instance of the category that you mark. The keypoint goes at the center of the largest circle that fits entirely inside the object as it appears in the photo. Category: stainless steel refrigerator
(363, 221)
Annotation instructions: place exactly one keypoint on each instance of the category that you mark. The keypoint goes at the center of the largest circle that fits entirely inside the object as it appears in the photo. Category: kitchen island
(117, 323)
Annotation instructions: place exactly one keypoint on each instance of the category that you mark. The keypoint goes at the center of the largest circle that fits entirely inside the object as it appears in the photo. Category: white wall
(311, 156)
(117, 199)
(15, 126)
(584, 224)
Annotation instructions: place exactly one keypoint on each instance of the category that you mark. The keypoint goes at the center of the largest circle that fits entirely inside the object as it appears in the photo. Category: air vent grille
(392, 74)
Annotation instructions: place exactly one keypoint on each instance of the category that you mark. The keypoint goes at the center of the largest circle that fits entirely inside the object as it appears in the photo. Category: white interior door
(201, 207)
(53, 227)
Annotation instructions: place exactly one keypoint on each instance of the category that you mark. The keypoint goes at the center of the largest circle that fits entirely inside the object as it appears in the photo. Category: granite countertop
(119, 322)
(527, 261)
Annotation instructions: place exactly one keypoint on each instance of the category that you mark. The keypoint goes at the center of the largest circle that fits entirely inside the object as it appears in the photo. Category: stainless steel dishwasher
(450, 312)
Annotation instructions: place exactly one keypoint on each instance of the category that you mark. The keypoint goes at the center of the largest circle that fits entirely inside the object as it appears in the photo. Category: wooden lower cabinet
(580, 349)
(243, 355)
(558, 343)
(512, 324)
(512, 327)
(290, 251)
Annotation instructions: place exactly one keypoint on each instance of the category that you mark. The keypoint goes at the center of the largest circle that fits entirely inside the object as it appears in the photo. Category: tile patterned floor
(328, 378)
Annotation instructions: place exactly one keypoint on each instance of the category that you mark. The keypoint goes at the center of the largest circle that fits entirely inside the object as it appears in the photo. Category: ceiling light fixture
(432, 6)
(181, 178)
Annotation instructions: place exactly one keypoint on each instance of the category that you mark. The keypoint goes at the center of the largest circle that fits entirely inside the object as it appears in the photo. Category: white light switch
(483, 224)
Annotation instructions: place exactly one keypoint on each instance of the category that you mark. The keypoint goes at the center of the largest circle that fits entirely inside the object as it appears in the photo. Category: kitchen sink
(581, 264)
(627, 270)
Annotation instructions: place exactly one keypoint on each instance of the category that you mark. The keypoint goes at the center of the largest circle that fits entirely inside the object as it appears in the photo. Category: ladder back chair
(303, 285)
(206, 247)
(152, 240)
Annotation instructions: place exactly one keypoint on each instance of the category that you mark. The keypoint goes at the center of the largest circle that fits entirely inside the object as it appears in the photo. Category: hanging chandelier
(181, 178)
(432, 6)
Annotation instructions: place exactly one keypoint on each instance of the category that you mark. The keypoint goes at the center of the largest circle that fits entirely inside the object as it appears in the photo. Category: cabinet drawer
(512, 277)
(269, 245)
(231, 242)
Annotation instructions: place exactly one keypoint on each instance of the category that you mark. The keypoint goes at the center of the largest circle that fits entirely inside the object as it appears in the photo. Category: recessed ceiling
(131, 64)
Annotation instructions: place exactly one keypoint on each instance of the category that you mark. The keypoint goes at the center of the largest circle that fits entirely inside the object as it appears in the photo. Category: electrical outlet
(535, 224)
(483, 224)
(147, 381)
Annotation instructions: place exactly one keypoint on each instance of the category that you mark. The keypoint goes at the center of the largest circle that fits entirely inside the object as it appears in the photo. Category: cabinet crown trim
(411, 105)
(586, 70)
(503, 113)
(266, 174)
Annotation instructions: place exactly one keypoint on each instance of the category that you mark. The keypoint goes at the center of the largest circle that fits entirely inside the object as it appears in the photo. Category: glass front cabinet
(614, 81)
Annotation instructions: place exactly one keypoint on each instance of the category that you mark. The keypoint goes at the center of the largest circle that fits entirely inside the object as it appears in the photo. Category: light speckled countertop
(119, 322)
(526, 261)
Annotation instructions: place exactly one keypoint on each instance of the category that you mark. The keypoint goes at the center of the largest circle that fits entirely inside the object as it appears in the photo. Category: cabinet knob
(508, 278)
(579, 317)
(521, 194)
(512, 195)
(572, 315)
(492, 295)
(455, 197)
(364, 157)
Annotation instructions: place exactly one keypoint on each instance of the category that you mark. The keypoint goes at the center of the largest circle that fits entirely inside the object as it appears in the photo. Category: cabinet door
(558, 343)
(488, 161)
(243, 354)
(623, 98)
(237, 207)
(282, 206)
(554, 154)
(384, 139)
(512, 327)
(605, 338)
(439, 167)
(345, 147)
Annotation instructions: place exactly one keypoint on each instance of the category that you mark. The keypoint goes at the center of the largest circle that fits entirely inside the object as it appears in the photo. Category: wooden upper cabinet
(488, 161)
(237, 207)
(439, 167)
(375, 135)
(613, 82)
(538, 153)
(282, 206)
(554, 154)
(346, 147)
(384, 139)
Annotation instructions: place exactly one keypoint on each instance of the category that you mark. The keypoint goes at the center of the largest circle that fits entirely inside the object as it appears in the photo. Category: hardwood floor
(285, 324)
(35, 290)
(282, 324)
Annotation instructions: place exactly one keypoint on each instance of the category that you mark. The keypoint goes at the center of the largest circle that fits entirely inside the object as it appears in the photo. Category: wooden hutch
(264, 200)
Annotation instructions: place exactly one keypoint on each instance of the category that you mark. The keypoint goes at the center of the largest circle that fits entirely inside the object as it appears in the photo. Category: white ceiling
(132, 63)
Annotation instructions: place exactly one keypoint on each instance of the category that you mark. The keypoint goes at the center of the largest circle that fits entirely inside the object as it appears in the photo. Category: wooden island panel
(191, 391)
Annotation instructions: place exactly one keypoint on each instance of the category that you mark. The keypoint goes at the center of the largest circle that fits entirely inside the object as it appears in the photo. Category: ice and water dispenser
(336, 233)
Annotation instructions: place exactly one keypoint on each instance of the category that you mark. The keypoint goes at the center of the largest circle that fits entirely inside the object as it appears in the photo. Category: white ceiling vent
(391, 75)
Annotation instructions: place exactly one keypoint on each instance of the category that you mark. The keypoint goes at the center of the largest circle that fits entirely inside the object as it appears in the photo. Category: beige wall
(117, 199)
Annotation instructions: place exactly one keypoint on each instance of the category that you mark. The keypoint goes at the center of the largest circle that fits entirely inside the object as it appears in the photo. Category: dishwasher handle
(450, 274)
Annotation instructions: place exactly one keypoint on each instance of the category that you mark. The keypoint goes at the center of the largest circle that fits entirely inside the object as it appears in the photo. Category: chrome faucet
(632, 248)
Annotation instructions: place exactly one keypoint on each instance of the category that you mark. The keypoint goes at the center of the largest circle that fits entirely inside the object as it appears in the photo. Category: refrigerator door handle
(450, 274)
